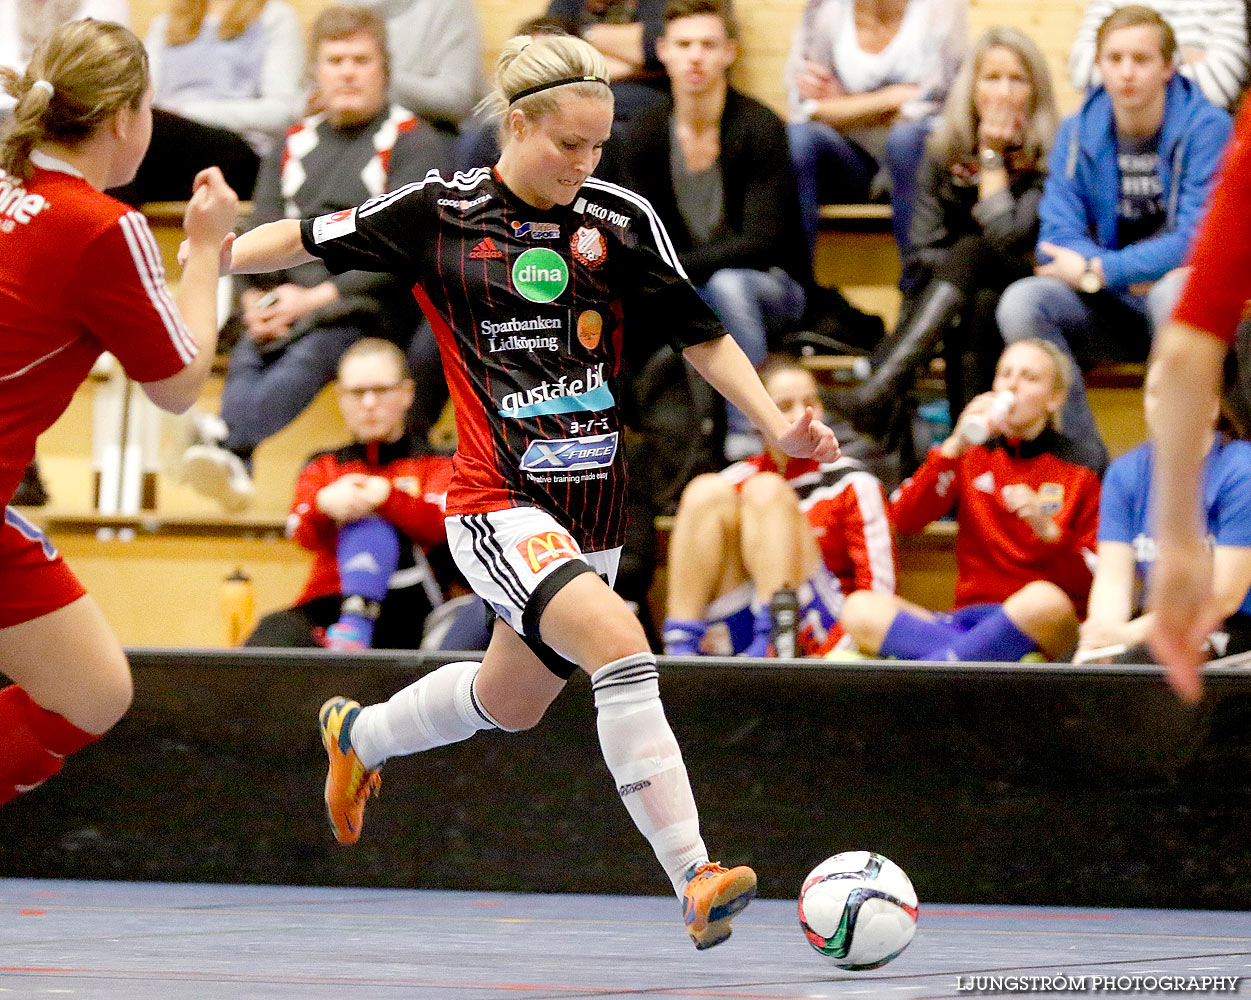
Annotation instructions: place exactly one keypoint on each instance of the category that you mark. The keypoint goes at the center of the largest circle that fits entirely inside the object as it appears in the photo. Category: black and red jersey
(534, 312)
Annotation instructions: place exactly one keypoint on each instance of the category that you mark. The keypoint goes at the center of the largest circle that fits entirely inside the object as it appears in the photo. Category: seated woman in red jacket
(369, 511)
(1027, 508)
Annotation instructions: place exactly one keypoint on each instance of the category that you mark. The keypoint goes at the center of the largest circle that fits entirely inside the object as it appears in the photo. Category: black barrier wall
(1031, 784)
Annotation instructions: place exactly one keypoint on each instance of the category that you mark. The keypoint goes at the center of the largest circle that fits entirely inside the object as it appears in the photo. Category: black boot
(870, 405)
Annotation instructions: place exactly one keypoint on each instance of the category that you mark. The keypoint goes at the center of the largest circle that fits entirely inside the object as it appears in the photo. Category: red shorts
(34, 579)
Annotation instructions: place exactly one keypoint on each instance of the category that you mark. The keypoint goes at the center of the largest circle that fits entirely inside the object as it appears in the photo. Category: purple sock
(681, 637)
(913, 638)
(995, 637)
(368, 552)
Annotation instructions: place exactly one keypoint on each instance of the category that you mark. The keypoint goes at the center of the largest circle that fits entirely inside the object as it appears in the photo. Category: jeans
(263, 394)
(749, 304)
(1106, 326)
(831, 167)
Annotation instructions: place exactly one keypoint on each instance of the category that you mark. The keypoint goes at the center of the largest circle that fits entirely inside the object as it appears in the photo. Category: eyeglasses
(360, 393)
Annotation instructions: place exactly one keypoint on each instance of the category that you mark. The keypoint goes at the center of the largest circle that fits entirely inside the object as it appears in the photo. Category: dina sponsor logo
(521, 334)
(570, 454)
(536, 230)
(540, 275)
(562, 395)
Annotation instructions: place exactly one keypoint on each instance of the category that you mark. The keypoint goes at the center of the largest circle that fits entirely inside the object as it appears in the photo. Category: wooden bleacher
(161, 586)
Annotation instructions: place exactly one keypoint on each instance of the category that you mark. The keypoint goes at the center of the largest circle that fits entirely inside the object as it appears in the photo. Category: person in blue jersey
(1117, 623)
(541, 284)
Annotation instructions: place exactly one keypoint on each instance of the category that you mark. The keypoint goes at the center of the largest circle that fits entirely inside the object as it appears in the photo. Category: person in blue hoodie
(1128, 180)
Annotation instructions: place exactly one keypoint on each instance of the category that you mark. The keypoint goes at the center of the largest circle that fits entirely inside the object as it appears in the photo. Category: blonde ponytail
(77, 79)
(534, 72)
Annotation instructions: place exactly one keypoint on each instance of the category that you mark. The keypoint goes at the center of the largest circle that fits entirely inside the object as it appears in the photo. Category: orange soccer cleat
(348, 783)
(712, 897)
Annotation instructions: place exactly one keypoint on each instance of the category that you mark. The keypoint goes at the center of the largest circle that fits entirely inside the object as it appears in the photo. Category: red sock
(33, 742)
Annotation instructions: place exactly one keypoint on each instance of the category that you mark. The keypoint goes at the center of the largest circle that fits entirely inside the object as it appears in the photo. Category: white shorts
(518, 558)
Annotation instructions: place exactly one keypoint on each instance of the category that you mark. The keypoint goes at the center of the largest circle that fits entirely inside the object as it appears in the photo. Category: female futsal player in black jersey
(534, 276)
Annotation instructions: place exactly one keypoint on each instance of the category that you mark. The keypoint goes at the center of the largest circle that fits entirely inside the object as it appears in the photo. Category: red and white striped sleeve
(126, 304)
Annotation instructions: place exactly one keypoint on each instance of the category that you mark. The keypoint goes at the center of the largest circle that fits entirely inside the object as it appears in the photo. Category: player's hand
(211, 210)
(347, 499)
(808, 437)
(1185, 615)
(1065, 264)
(815, 82)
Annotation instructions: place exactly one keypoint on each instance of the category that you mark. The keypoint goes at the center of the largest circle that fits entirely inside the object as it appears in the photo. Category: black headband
(556, 83)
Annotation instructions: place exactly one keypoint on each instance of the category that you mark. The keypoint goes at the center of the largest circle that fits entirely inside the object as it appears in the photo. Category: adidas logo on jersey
(486, 250)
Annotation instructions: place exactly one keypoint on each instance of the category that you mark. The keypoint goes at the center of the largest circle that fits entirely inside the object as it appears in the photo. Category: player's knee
(706, 492)
(861, 618)
(768, 490)
(1041, 601)
(111, 693)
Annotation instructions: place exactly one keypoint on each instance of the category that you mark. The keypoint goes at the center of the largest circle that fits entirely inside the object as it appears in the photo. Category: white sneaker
(214, 472)
(207, 428)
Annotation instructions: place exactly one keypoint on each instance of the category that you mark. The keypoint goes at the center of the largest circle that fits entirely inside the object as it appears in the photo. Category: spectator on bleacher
(1128, 179)
(26, 23)
(1026, 514)
(1212, 47)
(226, 76)
(713, 163)
(625, 32)
(762, 553)
(436, 56)
(233, 64)
(297, 324)
(369, 512)
(865, 79)
(1116, 623)
(974, 226)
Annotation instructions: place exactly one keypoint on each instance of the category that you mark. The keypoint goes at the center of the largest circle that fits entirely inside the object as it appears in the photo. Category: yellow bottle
(238, 606)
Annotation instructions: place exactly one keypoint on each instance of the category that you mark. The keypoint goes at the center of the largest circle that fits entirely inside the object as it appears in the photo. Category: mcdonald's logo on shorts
(542, 550)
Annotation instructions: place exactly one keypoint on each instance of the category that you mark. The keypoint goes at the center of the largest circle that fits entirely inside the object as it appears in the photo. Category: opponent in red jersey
(81, 275)
(770, 539)
(1027, 509)
(533, 343)
(1192, 351)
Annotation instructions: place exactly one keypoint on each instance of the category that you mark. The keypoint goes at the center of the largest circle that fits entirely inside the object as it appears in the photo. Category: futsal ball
(858, 909)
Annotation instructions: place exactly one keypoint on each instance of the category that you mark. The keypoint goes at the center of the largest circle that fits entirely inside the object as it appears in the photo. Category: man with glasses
(370, 512)
(296, 324)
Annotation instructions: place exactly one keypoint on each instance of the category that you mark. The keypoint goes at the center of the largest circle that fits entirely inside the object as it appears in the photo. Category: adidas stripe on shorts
(516, 560)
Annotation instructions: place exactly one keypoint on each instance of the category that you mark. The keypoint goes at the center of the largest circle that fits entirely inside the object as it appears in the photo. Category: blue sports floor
(175, 941)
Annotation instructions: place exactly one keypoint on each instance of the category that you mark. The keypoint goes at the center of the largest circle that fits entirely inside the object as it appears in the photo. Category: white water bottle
(976, 426)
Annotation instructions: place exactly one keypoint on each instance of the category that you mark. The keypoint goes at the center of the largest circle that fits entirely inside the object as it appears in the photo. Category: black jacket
(761, 196)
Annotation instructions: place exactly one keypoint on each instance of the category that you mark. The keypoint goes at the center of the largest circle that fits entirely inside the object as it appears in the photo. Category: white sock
(646, 763)
(440, 708)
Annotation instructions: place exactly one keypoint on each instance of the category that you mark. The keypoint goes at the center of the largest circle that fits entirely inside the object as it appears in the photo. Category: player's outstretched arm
(1181, 596)
(210, 215)
(274, 246)
(727, 369)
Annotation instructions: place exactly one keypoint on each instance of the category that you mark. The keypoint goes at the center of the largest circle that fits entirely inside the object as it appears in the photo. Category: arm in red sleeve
(859, 525)
(928, 494)
(308, 527)
(1220, 279)
(417, 501)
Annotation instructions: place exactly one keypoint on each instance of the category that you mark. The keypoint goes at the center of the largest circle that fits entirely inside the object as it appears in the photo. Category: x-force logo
(570, 454)
(542, 550)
